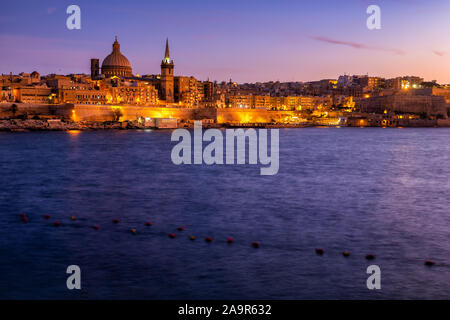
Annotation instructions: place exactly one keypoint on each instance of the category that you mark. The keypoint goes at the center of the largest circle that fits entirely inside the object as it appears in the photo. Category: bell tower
(167, 66)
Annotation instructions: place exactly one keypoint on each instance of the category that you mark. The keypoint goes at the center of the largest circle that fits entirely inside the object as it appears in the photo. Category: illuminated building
(131, 93)
(34, 94)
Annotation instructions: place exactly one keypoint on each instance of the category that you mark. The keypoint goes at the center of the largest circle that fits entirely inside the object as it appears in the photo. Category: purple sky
(246, 40)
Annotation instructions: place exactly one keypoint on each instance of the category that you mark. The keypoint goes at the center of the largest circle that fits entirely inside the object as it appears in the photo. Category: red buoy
(172, 235)
(73, 218)
(180, 228)
(46, 216)
(346, 254)
(56, 223)
(255, 244)
(208, 239)
(370, 256)
(191, 237)
(24, 219)
(95, 227)
(148, 224)
(133, 231)
(230, 240)
(429, 263)
(116, 221)
(320, 251)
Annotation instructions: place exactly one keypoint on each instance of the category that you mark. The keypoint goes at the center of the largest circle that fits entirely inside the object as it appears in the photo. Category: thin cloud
(439, 53)
(356, 45)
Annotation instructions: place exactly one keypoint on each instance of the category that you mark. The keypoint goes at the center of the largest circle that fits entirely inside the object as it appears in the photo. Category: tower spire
(167, 55)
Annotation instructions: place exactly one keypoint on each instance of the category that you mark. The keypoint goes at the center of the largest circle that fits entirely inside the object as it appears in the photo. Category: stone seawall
(236, 115)
(131, 113)
(100, 113)
(430, 105)
(226, 116)
(8, 111)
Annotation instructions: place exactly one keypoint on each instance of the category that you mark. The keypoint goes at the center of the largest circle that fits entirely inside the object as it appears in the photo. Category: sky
(243, 40)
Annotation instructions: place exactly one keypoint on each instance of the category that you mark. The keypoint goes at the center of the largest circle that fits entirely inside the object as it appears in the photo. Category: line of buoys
(255, 244)
(320, 251)
(209, 239)
(429, 263)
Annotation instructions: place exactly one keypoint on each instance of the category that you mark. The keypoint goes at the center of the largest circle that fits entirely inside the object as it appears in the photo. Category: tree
(14, 109)
(117, 113)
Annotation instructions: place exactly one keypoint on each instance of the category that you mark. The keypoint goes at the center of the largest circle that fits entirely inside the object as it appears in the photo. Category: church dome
(116, 64)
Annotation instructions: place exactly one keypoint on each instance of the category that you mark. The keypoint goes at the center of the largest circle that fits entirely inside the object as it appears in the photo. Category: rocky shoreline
(17, 125)
(23, 125)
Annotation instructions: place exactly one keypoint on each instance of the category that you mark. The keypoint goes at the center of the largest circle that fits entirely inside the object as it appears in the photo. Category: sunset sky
(246, 40)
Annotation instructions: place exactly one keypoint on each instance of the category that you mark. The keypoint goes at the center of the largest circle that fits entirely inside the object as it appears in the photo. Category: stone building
(81, 96)
(188, 91)
(131, 93)
(407, 82)
(298, 103)
(34, 94)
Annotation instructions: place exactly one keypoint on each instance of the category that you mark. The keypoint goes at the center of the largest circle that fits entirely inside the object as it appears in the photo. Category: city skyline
(252, 42)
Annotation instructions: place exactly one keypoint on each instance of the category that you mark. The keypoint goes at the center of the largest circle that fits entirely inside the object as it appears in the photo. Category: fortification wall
(228, 115)
(234, 115)
(123, 113)
(101, 113)
(7, 110)
(431, 105)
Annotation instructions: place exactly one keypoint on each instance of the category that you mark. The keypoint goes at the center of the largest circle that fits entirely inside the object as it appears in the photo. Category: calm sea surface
(371, 190)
